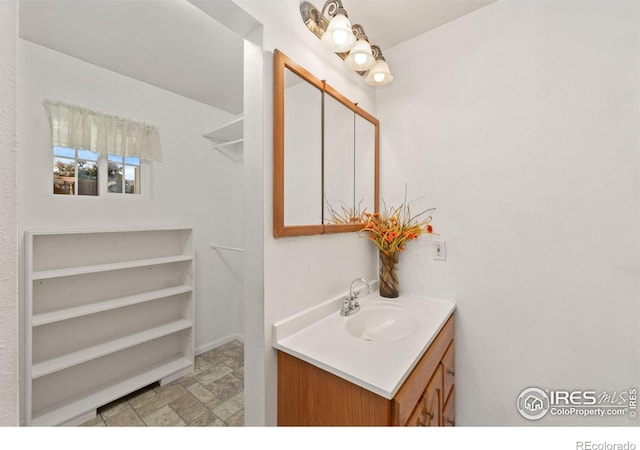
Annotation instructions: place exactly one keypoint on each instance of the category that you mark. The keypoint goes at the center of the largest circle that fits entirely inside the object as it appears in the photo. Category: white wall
(8, 215)
(195, 185)
(519, 122)
(303, 271)
(255, 352)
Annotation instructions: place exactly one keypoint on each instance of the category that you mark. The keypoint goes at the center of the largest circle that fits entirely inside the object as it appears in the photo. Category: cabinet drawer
(449, 370)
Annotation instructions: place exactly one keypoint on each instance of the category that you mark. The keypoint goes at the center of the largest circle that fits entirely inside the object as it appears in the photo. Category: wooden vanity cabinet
(310, 396)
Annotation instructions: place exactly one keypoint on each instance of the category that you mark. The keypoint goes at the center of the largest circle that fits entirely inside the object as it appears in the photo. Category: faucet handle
(346, 306)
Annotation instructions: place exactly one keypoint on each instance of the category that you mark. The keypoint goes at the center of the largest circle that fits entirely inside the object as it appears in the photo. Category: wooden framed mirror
(326, 153)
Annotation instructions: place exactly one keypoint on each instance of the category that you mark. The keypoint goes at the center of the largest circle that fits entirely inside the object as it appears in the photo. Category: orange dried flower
(392, 228)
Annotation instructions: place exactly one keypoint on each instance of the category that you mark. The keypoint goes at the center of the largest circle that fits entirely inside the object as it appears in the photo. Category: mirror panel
(302, 151)
(285, 69)
(365, 163)
(338, 159)
(325, 156)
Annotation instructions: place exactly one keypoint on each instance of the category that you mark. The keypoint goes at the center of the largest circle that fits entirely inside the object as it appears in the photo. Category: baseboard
(217, 343)
(79, 420)
(176, 375)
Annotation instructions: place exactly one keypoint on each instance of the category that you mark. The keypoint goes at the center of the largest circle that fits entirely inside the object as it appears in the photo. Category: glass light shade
(379, 74)
(339, 36)
(360, 57)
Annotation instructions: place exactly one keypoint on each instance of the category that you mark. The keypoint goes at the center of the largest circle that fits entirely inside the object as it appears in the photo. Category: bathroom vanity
(394, 365)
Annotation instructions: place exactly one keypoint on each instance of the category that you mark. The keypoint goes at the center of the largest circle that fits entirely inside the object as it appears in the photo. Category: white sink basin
(376, 348)
(382, 322)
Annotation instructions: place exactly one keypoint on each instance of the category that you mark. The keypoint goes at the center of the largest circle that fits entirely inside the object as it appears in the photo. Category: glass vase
(389, 286)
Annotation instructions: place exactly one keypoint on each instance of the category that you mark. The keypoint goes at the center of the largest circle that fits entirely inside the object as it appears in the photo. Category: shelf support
(217, 145)
(221, 247)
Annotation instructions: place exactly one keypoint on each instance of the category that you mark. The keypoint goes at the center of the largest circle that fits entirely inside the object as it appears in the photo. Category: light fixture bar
(312, 19)
(318, 22)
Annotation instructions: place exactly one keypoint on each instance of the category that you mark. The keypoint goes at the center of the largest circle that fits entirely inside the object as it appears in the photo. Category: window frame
(125, 164)
(76, 158)
(103, 191)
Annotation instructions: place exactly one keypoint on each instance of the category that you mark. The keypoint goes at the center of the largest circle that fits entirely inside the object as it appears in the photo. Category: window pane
(87, 177)
(114, 176)
(115, 158)
(88, 154)
(133, 160)
(63, 151)
(132, 179)
(64, 176)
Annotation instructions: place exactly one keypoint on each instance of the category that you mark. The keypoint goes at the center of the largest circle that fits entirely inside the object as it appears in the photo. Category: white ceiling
(168, 43)
(389, 22)
(174, 45)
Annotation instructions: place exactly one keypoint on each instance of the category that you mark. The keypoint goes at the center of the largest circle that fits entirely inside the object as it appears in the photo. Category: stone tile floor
(212, 395)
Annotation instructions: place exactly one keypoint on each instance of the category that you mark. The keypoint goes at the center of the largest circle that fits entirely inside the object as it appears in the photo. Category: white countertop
(319, 337)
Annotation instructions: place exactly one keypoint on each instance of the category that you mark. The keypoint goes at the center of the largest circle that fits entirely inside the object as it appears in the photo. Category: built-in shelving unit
(228, 134)
(107, 312)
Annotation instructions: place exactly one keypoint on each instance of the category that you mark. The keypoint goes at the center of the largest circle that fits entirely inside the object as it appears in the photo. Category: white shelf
(70, 271)
(128, 307)
(64, 411)
(82, 356)
(106, 230)
(228, 134)
(78, 311)
(224, 247)
(228, 143)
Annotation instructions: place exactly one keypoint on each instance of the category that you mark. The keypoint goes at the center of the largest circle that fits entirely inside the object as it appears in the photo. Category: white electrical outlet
(439, 251)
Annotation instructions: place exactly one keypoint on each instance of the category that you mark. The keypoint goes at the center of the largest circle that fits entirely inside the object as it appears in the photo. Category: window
(83, 172)
(96, 154)
(75, 171)
(123, 173)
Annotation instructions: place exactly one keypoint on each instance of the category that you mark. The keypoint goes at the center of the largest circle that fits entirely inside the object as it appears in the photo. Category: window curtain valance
(80, 128)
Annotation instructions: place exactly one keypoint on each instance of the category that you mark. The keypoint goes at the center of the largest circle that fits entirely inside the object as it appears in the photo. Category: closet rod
(221, 247)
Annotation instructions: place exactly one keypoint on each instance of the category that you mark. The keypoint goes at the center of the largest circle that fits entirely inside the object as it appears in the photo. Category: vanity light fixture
(379, 74)
(360, 58)
(338, 36)
(332, 26)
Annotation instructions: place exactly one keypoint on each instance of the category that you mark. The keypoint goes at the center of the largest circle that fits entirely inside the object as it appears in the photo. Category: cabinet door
(427, 412)
(433, 400)
(448, 412)
(449, 370)
(417, 417)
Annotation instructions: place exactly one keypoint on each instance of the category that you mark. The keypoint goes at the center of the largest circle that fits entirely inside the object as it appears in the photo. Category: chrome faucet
(350, 305)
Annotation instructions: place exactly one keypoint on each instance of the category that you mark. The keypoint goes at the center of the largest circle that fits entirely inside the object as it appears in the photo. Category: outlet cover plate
(439, 251)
